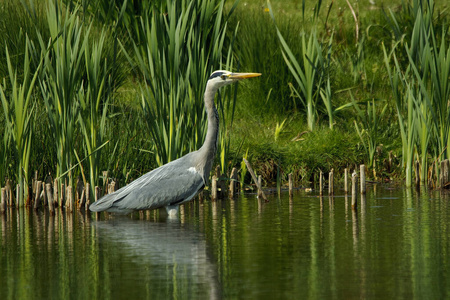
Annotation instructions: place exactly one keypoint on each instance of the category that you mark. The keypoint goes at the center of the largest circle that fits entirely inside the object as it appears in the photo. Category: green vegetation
(338, 66)
(18, 115)
(175, 56)
(110, 85)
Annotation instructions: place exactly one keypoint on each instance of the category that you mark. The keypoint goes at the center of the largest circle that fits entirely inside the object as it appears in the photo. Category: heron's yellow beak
(243, 75)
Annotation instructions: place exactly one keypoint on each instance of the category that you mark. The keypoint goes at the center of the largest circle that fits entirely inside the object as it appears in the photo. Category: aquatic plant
(94, 103)
(421, 90)
(175, 54)
(308, 71)
(368, 128)
(18, 105)
(62, 79)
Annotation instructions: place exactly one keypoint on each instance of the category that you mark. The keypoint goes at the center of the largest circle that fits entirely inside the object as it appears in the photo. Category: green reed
(4, 149)
(368, 127)
(327, 95)
(174, 46)
(308, 71)
(94, 103)
(421, 90)
(430, 83)
(404, 104)
(18, 107)
(62, 79)
(179, 47)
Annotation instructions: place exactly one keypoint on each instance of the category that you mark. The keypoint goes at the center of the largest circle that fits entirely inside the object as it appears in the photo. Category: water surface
(396, 245)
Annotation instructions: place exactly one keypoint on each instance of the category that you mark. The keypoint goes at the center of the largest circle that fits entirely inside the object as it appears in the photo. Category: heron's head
(221, 78)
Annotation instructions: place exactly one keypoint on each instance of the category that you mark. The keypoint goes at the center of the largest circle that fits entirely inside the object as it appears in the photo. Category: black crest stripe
(216, 74)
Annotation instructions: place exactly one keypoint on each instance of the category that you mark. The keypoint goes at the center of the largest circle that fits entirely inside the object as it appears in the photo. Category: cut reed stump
(69, 198)
(233, 182)
(55, 192)
(48, 188)
(3, 202)
(88, 196)
(34, 181)
(112, 187)
(221, 188)
(44, 194)
(214, 188)
(362, 170)
(444, 176)
(82, 199)
(97, 193)
(250, 170)
(17, 194)
(201, 197)
(79, 188)
(331, 183)
(37, 190)
(96, 197)
(10, 199)
(321, 183)
(62, 196)
(417, 171)
(354, 188)
(105, 181)
(291, 186)
(437, 178)
(430, 176)
(260, 184)
(346, 181)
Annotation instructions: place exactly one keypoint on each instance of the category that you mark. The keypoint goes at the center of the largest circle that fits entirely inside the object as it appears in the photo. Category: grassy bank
(367, 125)
(118, 86)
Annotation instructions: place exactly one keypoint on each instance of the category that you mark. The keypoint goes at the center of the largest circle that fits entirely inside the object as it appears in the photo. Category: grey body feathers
(170, 184)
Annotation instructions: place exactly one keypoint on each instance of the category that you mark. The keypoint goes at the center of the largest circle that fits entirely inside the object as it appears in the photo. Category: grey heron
(180, 180)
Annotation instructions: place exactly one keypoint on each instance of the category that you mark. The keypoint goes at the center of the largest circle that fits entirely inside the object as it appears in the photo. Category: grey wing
(166, 185)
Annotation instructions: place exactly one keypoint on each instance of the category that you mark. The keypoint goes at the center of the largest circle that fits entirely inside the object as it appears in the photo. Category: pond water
(395, 246)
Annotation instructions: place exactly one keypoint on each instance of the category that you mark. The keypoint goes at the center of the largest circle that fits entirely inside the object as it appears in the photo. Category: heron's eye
(223, 77)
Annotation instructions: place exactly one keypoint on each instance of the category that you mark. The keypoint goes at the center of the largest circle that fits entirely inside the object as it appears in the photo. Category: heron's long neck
(208, 150)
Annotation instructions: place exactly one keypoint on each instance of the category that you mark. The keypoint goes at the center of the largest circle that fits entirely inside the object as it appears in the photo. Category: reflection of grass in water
(231, 244)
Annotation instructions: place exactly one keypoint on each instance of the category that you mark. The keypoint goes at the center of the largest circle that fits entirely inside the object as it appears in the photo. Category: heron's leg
(172, 210)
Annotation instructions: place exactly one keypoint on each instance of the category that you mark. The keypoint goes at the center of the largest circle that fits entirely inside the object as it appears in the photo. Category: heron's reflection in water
(169, 253)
